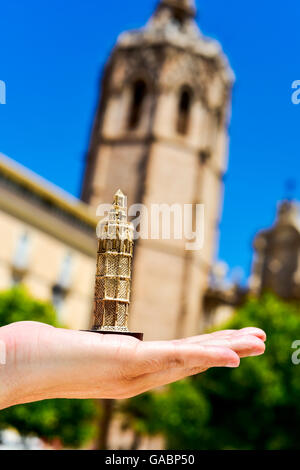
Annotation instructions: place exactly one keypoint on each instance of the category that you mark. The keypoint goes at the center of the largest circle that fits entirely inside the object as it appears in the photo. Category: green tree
(70, 421)
(253, 407)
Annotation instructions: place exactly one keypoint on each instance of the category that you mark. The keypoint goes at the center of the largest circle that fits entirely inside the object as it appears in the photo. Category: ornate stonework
(276, 264)
(173, 44)
(142, 63)
(183, 33)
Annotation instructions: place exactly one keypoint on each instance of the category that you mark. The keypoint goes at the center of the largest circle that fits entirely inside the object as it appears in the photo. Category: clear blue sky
(51, 56)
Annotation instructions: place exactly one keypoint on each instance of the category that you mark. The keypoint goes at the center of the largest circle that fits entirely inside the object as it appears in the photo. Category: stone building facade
(160, 134)
(276, 265)
(47, 243)
(275, 268)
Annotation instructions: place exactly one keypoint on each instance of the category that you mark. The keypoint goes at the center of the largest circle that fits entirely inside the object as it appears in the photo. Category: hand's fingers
(159, 355)
(158, 379)
(194, 363)
(254, 331)
(226, 334)
(243, 345)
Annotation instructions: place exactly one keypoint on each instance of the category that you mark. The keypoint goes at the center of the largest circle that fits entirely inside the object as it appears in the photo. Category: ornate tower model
(160, 134)
(113, 273)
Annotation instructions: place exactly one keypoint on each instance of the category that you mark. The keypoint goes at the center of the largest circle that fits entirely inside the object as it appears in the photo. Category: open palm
(47, 362)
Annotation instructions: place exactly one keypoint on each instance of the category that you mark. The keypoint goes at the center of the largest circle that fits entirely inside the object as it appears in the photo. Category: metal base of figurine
(139, 336)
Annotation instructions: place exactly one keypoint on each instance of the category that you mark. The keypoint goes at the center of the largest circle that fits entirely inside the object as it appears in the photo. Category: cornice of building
(46, 191)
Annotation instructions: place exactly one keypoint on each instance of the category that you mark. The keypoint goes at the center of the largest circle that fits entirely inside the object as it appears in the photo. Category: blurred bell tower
(276, 264)
(160, 134)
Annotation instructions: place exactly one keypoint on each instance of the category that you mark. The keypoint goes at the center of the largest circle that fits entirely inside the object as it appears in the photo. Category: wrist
(6, 392)
(13, 374)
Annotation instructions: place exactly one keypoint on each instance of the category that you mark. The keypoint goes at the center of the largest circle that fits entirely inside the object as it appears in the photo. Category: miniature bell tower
(113, 272)
(160, 134)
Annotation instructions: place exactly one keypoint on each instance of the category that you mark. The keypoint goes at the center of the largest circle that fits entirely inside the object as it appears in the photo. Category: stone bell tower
(276, 265)
(160, 134)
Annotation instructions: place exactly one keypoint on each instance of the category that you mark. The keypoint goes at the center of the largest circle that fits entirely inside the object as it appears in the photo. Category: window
(139, 92)
(204, 156)
(184, 110)
(219, 117)
(179, 18)
(64, 279)
(60, 289)
(20, 260)
(21, 255)
(58, 297)
(17, 277)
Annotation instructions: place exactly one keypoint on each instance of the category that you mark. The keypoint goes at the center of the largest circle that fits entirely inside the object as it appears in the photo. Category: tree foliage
(69, 421)
(253, 407)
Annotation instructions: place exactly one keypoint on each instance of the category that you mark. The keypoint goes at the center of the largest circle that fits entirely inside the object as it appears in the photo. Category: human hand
(46, 362)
